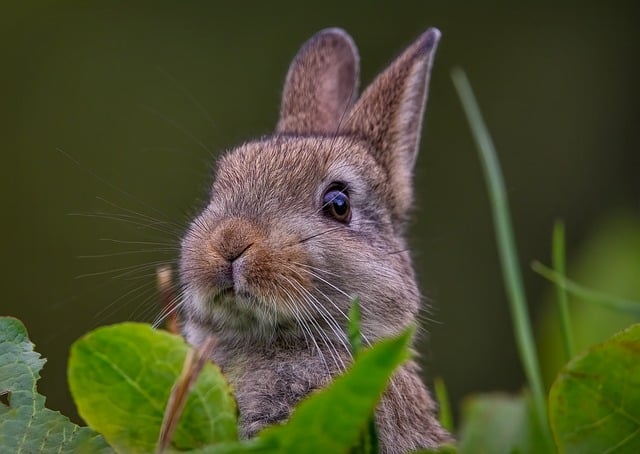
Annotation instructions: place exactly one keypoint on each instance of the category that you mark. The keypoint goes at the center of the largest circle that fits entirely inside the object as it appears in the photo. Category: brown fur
(272, 276)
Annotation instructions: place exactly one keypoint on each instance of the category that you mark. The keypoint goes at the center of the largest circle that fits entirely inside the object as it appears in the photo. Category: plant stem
(559, 265)
(593, 296)
(506, 245)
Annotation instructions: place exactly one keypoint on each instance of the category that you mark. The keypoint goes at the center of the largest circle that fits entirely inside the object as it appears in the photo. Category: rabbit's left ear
(321, 84)
(389, 115)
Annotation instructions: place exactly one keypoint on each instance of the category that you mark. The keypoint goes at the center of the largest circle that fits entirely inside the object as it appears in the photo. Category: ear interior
(321, 84)
(389, 115)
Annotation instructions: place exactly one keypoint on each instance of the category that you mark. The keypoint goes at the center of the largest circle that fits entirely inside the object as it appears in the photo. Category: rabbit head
(302, 221)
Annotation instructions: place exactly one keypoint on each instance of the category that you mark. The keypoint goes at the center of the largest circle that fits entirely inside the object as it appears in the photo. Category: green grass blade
(442, 397)
(506, 244)
(558, 253)
(353, 329)
(592, 296)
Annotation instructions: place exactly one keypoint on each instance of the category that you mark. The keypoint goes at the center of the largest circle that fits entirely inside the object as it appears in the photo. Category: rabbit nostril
(234, 256)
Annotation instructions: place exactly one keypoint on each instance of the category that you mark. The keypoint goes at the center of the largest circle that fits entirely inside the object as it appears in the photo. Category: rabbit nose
(226, 273)
(232, 257)
(234, 238)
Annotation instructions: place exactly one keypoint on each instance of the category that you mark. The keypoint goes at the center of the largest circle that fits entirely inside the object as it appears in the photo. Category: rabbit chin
(236, 315)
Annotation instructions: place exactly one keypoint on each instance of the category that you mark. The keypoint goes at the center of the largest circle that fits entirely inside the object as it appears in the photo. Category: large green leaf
(121, 377)
(594, 403)
(333, 419)
(501, 423)
(25, 424)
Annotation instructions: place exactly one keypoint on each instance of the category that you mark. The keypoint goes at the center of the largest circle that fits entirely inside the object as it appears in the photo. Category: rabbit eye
(335, 203)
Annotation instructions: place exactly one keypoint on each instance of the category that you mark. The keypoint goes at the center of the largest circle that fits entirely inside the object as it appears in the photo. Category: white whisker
(364, 337)
(306, 296)
(293, 309)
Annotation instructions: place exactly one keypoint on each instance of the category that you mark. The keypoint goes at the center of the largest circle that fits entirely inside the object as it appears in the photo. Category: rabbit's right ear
(389, 116)
(321, 84)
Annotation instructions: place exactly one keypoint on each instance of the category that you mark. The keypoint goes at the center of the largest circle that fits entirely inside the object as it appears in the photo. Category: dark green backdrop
(143, 95)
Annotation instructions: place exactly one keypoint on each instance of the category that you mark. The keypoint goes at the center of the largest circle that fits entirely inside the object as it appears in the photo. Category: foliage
(25, 424)
(511, 421)
(121, 377)
(514, 424)
(512, 275)
(594, 403)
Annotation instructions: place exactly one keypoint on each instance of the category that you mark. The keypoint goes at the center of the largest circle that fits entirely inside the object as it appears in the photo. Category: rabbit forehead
(292, 169)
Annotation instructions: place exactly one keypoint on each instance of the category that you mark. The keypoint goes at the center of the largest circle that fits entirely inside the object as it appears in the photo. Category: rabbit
(301, 222)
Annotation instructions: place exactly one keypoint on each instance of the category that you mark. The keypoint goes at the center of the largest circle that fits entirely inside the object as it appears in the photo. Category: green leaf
(369, 442)
(25, 424)
(493, 423)
(333, 419)
(595, 401)
(121, 377)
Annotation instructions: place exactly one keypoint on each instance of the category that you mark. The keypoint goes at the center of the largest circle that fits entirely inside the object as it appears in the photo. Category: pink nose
(232, 239)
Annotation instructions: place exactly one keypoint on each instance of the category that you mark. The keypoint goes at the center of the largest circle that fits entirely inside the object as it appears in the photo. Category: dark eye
(335, 203)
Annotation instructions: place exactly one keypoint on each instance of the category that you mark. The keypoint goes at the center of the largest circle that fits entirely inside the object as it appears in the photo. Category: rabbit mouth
(223, 295)
(233, 297)
(241, 318)
(234, 309)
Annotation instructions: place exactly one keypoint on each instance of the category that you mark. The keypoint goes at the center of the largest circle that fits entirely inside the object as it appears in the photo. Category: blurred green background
(144, 95)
